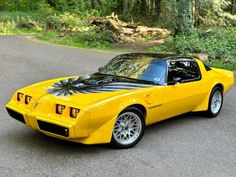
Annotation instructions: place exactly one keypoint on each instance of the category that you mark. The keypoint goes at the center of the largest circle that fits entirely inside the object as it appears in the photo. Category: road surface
(186, 146)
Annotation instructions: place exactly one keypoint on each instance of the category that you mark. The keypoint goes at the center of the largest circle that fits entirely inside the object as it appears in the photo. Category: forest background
(205, 28)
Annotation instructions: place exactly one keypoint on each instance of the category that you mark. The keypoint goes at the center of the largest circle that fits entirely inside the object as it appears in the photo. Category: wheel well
(140, 107)
(220, 85)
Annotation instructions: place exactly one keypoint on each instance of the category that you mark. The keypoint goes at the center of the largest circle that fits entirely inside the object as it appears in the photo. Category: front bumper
(16, 115)
(77, 132)
(54, 128)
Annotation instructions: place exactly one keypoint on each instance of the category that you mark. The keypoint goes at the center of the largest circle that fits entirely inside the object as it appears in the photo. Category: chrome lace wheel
(216, 102)
(128, 128)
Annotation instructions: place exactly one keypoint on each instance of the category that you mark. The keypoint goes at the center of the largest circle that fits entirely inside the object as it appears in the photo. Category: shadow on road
(28, 138)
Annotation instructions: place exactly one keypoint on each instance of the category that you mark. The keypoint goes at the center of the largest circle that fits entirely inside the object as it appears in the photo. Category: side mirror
(175, 80)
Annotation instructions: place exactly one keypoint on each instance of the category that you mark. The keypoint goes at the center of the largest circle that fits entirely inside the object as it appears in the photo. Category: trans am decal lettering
(73, 86)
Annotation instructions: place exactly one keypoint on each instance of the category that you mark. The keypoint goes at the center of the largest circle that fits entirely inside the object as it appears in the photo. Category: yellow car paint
(98, 111)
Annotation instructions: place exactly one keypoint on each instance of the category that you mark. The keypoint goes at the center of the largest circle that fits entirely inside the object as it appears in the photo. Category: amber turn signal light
(60, 108)
(27, 99)
(74, 112)
(19, 96)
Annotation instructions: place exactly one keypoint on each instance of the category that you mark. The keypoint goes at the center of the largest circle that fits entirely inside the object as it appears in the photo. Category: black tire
(140, 116)
(210, 113)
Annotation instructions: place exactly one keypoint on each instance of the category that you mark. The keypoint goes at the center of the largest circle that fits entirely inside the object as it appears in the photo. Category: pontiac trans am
(116, 103)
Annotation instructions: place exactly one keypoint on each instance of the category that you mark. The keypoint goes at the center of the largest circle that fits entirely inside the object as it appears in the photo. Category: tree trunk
(93, 4)
(143, 7)
(158, 8)
(125, 7)
(185, 16)
(233, 7)
(152, 7)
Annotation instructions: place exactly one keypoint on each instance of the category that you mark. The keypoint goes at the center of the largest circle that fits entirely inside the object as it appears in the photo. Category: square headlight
(19, 96)
(74, 112)
(60, 108)
(27, 99)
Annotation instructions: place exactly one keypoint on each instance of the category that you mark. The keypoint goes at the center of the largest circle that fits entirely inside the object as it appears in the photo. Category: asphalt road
(186, 146)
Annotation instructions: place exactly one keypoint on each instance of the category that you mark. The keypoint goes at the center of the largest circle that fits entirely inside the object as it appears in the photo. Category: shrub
(99, 37)
(218, 43)
(10, 20)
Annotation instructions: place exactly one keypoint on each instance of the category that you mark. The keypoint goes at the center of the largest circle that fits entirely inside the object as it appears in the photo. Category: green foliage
(149, 12)
(17, 16)
(100, 37)
(44, 9)
(169, 11)
(214, 13)
(9, 21)
(67, 22)
(54, 21)
(185, 16)
(20, 5)
(218, 43)
(107, 7)
(74, 31)
(96, 38)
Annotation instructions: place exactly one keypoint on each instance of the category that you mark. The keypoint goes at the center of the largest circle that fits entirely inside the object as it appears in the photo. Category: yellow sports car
(115, 104)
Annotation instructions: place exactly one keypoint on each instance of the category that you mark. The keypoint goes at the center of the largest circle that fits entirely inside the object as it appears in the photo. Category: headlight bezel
(74, 112)
(28, 99)
(60, 109)
(19, 96)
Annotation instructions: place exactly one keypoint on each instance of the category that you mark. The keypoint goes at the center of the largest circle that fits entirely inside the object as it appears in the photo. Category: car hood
(84, 90)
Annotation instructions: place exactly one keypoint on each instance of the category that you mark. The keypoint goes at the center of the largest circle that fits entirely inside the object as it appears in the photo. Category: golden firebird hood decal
(77, 85)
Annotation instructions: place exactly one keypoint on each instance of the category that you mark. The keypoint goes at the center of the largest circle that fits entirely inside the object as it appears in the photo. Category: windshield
(140, 67)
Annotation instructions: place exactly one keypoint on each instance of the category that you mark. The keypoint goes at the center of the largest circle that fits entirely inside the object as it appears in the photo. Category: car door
(156, 72)
(182, 96)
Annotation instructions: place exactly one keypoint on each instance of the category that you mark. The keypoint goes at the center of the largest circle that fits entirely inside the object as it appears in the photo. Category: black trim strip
(52, 128)
(16, 115)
